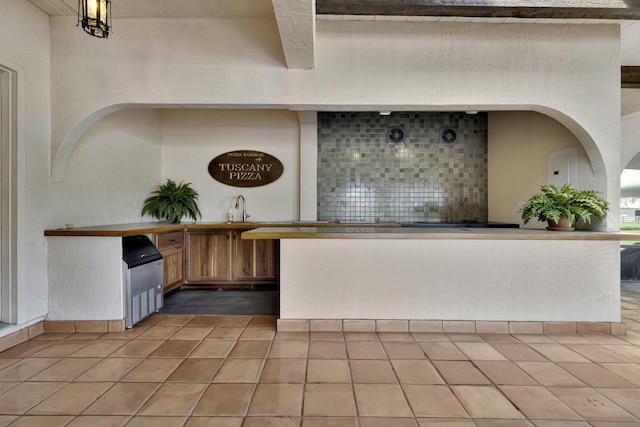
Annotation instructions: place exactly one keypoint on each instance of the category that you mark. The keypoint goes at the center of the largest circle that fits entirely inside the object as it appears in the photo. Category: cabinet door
(173, 269)
(209, 256)
(255, 259)
(171, 246)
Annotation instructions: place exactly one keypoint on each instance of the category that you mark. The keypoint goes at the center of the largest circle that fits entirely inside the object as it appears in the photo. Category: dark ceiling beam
(555, 9)
(630, 77)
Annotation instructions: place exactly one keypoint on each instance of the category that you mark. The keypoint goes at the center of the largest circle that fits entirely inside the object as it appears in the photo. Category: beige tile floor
(186, 371)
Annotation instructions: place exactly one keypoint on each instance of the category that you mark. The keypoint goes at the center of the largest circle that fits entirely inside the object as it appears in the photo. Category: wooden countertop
(410, 233)
(120, 230)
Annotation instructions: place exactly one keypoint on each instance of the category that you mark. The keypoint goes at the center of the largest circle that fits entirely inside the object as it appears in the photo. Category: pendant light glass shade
(95, 17)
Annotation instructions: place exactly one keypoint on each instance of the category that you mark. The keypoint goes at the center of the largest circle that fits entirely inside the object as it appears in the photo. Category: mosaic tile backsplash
(362, 177)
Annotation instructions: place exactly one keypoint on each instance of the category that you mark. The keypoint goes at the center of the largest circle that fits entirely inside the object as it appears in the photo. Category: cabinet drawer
(170, 240)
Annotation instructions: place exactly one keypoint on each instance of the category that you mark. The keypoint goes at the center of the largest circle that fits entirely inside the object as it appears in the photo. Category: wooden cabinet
(171, 246)
(255, 260)
(209, 256)
(222, 259)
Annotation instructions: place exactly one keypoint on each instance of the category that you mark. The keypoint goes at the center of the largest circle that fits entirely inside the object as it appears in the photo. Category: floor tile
(326, 336)
(175, 320)
(141, 348)
(292, 336)
(214, 348)
(258, 334)
(71, 399)
(239, 371)
(26, 368)
(196, 333)
(24, 396)
(625, 398)
(225, 399)
(214, 422)
(331, 422)
(271, 422)
(403, 350)
(387, 422)
(174, 348)
(381, 400)
(40, 421)
(65, 370)
(557, 423)
(485, 402)
(284, 371)
(628, 371)
(431, 422)
(111, 369)
(503, 423)
(250, 349)
(62, 348)
(558, 353)
(590, 404)
(235, 321)
(146, 421)
(158, 332)
(211, 321)
(434, 401)
(460, 372)
(277, 400)
(630, 352)
(395, 336)
(327, 350)
(196, 370)
(99, 421)
(152, 370)
(597, 353)
(416, 372)
(329, 400)
(328, 371)
(480, 351)
(99, 348)
(504, 372)
(173, 399)
(429, 336)
(537, 402)
(361, 336)
(442, 350)
(365, 350)
(122, 399)
(594, 375)
(372, 372)
(519, 352)
(549, 374)
(289, 349)
(226, 333)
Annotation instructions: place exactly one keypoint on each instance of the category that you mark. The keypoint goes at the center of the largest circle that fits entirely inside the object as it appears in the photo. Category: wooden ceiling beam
(534, 9)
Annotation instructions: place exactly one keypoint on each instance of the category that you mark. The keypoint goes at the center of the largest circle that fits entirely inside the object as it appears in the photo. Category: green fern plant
(550, 203)
(171, 202)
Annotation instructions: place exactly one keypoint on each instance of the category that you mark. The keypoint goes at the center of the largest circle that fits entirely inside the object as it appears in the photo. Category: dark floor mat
(223, 303)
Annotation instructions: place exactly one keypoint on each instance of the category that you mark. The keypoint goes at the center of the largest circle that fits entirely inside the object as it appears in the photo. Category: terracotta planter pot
(564, 224)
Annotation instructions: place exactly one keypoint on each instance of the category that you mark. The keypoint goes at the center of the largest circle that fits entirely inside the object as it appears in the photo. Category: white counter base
(479, 280)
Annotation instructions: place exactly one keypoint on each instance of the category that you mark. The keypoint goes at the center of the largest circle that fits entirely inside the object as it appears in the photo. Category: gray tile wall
(363, 178)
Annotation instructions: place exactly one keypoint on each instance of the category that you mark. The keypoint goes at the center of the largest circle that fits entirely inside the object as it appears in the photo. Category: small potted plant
(171, 201)
(561, 207)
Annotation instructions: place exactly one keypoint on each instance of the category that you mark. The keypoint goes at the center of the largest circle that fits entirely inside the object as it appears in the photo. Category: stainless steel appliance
(142, 272)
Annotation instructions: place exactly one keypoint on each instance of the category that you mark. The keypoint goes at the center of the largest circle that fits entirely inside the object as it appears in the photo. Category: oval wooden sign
(245, 168)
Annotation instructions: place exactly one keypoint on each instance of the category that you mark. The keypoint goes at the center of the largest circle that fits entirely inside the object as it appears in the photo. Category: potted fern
(562, 207)
(171, 201)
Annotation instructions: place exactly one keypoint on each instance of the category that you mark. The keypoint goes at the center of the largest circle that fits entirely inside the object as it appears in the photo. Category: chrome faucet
(244, 207)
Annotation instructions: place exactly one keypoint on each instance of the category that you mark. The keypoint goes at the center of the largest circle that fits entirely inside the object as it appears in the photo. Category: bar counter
(427, 276)
(330, 231)
(121, 230)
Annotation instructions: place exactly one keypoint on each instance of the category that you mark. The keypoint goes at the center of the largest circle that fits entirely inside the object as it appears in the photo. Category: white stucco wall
(447, 279)
(114, 167)
(519, 143)
(25, 48)
(192, 138)
(570, 72)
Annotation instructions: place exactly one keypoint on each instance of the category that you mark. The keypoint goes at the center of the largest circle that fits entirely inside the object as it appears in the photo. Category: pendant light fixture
(95, 17)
